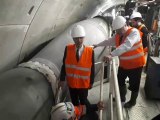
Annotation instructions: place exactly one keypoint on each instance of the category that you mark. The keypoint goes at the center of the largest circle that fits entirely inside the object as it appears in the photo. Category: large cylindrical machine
(25, 92)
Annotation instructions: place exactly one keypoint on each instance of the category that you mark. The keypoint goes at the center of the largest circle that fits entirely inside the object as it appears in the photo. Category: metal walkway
(143, 110)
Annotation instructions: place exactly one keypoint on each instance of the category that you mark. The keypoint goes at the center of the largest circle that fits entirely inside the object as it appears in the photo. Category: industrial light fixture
(151, 1)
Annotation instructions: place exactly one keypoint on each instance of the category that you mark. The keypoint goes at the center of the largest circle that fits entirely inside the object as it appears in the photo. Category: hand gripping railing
(115, 91)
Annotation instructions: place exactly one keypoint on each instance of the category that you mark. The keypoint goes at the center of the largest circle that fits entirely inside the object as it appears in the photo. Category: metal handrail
(117, 93)
(111, 93)
(114, 84)
(101, 87)
(111, 106)
(98, 63)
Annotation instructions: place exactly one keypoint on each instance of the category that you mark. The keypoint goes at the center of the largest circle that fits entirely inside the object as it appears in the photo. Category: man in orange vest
(129, 49)
(78, 67)
(67, 111)
(136, 21)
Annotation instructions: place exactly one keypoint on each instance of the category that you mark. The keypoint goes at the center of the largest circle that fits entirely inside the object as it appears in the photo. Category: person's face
(78, 41)
(133, 22)
(120, 31)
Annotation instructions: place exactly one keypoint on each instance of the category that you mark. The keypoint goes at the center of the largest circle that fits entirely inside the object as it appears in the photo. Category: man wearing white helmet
(78, 67)
(136, 21)
(63, 111)
(66, 111)
(129, 49)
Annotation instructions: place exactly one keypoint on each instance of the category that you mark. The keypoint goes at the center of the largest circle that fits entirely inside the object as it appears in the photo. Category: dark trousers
(134, 76)
(90, 116)
(78, 96)
(91, 112)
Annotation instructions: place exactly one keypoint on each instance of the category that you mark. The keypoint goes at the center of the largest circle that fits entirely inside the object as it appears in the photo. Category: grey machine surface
(28, 91)
(152, 84)
(25, 91)
(26, 25)
(25, 95)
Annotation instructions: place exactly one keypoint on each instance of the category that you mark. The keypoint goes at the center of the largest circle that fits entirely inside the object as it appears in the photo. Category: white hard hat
(62, 111)
(78, 31)
(136, 15)
(118, 22)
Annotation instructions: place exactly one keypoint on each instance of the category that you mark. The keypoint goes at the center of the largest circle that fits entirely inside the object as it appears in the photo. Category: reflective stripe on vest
(134, 57)
(78, 68)
(78, 72)
(140, 27)
(78, 76)
(136, 47)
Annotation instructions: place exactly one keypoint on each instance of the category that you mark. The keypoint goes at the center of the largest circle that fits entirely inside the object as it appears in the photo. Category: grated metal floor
(94, 96)
(143, 110)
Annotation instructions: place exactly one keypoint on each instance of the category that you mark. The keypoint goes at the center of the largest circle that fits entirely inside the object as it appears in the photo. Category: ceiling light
(151, 1)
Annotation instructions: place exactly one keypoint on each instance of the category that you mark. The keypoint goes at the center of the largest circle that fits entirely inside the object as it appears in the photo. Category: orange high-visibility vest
(145, 50)
(79, 111)
(140, 28)
(133, 58)
(78, 73)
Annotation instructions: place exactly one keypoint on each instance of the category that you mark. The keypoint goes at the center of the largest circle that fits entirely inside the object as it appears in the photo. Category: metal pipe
(108, 71)
(25, 91)
(98, 63)
(111, 106)
(111, 90)
(118, 100)
(25, 94)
